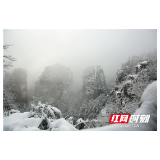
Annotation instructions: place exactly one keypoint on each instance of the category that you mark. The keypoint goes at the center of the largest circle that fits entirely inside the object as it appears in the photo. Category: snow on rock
(118, 93)
(47, 112)
(61, 125)
(80, 120)
(70, 120)
(81, 124)
(57, 111)
(128, 82)
(40, 115)
(14, 111)
(143, 62)
(138, 66)
(28, 123)
(21, 122)
(50, 111)
(131, 77)
(10, 121)
(141, 65)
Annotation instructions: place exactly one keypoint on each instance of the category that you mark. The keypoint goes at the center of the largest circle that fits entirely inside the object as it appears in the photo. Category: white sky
(77, 49)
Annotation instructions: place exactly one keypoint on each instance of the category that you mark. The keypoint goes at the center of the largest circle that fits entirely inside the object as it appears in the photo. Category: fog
(77, 49)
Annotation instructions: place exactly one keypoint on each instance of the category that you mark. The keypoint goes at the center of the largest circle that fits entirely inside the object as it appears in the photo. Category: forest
(53, 96)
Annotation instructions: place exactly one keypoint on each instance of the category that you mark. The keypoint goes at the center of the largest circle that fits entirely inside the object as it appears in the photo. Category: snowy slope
(148, 106)
(21, 122)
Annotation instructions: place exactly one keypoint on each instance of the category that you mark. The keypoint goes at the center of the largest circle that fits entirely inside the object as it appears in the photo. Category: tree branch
(6, 46)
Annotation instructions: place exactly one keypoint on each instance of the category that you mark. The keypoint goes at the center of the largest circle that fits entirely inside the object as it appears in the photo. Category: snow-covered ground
(29, 122)
(21, 122)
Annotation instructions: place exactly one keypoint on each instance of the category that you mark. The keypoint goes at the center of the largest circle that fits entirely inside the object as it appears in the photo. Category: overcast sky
(77, 49)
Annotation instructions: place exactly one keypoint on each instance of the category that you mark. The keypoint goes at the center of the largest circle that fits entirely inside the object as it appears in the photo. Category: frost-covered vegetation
(54, 87)
(54, 103)
(41, 117)
(15, 89)
(132, 79)
(50, 122)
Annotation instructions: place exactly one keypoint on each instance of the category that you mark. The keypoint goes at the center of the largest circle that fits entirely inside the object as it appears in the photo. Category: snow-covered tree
(54, 86)
(92, 98)
(132, 79)
(19, 77)
(8, 96)
(94, 82)
(7, 59)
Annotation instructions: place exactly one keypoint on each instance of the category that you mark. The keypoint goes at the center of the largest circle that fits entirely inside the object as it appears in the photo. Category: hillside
(132, 79)
(95, 102)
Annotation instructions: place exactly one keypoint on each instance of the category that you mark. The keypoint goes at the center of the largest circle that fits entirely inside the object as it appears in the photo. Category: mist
(76, 49)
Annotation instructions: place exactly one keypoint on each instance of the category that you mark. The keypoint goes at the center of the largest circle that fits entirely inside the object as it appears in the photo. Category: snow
(138, 66)
(118, 92)
(56, 110)
(128, 82)
(111, 92)
(119, 72)
(32, 105)
(148, 106)
(61, 125)
(143, 63)
(49, 110)
(30, 123)
(5, 114)
(87, 120)
(70, 120)
(80, 120)
(131, 76)
(94, 120)
(123, 103)
(29, 129)
(103, 112)
(21, 122)
(10, 121)
(149, 99)
(13, 111)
